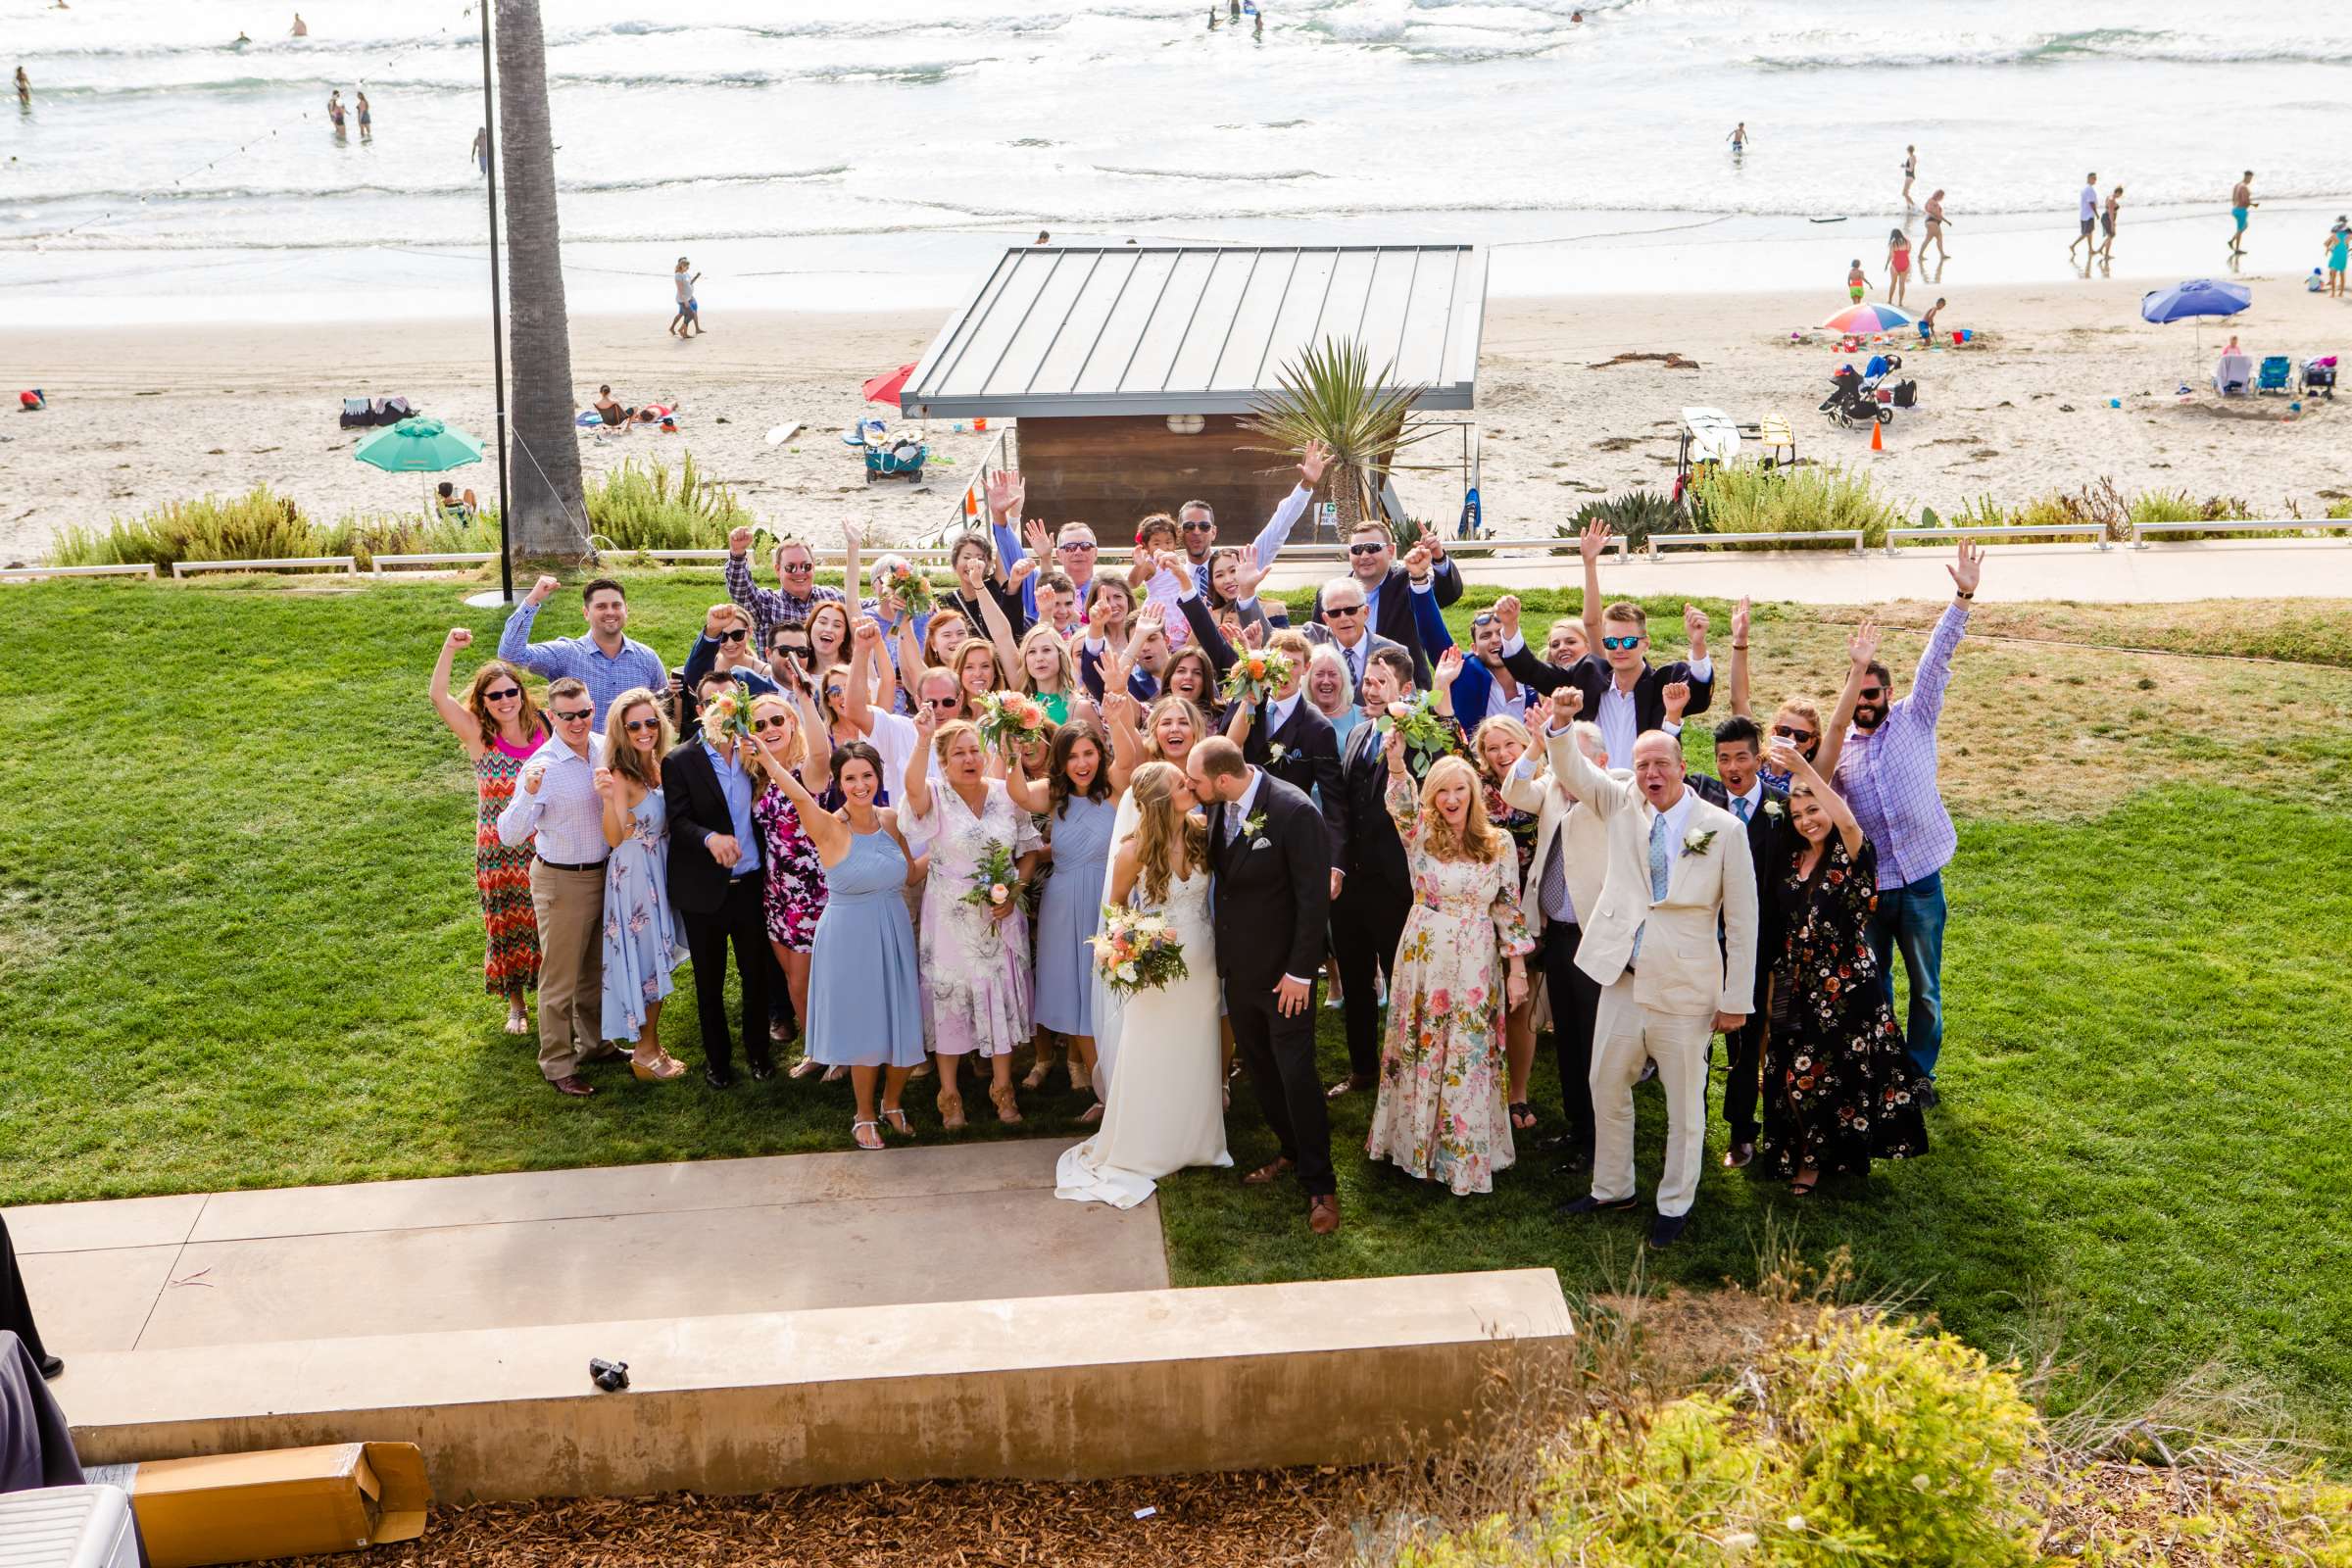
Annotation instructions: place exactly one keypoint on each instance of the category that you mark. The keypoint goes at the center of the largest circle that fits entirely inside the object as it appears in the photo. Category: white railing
(1898, 537)
(443, 558)
(348, 563)
(2286, 525)
(145, 569)
(1716, 541)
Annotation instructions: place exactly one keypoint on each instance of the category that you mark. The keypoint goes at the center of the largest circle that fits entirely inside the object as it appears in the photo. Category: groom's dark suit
(1272, 899)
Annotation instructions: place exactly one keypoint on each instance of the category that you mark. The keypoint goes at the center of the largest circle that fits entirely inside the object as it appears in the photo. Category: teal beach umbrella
(420, 446)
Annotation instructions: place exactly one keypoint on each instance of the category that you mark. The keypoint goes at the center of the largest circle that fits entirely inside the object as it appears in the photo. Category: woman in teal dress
(865, 1012)
(642, 946)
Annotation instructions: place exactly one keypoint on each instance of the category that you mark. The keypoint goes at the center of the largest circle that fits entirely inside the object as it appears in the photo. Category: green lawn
(240, 943)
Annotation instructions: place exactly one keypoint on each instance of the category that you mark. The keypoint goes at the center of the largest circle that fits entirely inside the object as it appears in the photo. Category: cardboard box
(287, 1502)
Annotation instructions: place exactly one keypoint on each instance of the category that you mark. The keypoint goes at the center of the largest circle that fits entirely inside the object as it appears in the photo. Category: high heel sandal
(951, 1110)
(894, 1119)
(1008, 1111)
(835, 1074)
(803, 1067)
(1036, 1076)
(659, 1071)
(859, 1130)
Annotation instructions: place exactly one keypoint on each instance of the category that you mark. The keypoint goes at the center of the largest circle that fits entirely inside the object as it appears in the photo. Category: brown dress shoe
(1266, 1173)
(1323, 1214)
(1739, 1155)
(1347, 1085)
(572, 1083)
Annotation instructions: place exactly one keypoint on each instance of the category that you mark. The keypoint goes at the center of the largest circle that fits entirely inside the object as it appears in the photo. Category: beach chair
(2233, 375)
(1777, 438)
(2276, 373)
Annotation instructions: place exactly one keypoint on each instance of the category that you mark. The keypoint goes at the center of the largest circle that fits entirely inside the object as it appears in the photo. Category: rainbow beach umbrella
(1860, 320)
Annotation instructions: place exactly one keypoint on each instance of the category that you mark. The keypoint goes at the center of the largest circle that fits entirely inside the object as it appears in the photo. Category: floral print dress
(1837, 1083)
(502, 872)
(977, 996)
(1440, 1113)
(795, 893)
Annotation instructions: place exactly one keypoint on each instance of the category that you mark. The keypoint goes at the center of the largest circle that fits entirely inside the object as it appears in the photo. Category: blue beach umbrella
(2195, 300)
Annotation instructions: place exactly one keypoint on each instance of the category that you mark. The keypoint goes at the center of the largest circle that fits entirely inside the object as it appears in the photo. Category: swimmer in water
(241, 42)
(1738, 138)
(24, 89)
(301, 28)
(365, 134)
(334, 112)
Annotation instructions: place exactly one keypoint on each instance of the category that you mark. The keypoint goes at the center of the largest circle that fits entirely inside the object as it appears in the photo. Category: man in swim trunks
(1934, 236)
(334, 111)
(2241, 203)
(301, 28)
(2089, 214)
(1738, 138)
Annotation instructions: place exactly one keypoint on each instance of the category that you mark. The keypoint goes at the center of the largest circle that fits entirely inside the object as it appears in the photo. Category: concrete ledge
(1046, 1388)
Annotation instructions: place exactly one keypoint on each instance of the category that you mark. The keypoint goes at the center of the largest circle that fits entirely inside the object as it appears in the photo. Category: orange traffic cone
(1876, 443)
(971, 506)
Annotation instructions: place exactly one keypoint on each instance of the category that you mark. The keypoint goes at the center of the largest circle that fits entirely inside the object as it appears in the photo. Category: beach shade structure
(420, 446)
(2194, 300)
(1860, 320)
(886, 388)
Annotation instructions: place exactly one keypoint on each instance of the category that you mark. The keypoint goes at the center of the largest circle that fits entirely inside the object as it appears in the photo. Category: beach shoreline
(143, 416)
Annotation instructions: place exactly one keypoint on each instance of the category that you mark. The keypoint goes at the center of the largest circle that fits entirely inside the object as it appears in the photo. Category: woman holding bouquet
(865, 1010)
(1075, 797)
(500, 727)
(1440, 1113)
(1167, 1109)
(973, 949)
(642, 943)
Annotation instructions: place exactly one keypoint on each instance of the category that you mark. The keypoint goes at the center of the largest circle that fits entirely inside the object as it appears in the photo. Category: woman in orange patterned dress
(499, 725)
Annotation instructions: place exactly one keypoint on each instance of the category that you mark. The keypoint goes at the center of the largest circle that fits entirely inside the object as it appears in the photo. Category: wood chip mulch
(1204, 1521)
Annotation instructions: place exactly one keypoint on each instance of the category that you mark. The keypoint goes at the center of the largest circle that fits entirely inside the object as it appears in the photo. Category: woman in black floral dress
(1837, 1085)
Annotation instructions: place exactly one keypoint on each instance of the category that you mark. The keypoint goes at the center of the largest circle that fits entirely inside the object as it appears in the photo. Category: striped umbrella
(1860, 320)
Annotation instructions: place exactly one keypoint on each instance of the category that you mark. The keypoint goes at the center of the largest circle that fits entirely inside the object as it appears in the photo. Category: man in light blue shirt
(606, 660)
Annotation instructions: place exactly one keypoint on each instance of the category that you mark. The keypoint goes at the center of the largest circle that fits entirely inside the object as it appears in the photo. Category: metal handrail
(144, 568)
(2020, 530)
(349, 564)
(2258, 526)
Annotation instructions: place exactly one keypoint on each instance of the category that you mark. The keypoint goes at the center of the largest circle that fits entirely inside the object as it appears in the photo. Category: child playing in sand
(1926, 323)
(1857, 281)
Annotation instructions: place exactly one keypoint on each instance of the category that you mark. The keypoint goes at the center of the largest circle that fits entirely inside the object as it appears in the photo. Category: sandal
(1523, 1116)
(803, 1067)
(859, 1131)
(1092, 1113)
(1036, 1077)
(835, 1074)
(894, 1117)
(921, 1069)
(951, 1110)
(1008, 1111)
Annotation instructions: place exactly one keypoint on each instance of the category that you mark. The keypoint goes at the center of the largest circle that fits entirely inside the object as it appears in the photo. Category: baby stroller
(1864, 398)
(2319, 376)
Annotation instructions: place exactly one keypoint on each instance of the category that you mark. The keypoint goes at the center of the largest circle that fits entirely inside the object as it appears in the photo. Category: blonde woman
(1440, 1113)
(1168, 1109)
(500, 726)
(1496, 747)
(642, 945)
(793, 896)
(1047, 674)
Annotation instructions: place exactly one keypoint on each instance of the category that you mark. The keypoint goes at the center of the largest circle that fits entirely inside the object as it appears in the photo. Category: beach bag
(1906, 393)
(356, 412)
(393, 411)
(30, 402)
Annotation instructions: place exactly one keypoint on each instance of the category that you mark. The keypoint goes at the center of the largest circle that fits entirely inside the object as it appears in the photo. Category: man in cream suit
(1677, 870)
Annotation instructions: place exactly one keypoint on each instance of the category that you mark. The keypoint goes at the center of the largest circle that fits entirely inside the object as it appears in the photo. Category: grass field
(239, 939)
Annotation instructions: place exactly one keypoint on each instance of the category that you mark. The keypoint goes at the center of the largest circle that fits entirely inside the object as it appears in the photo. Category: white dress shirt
(567, 814)
(1278, 713)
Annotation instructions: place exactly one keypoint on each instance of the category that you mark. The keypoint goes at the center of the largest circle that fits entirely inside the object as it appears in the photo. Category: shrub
(260, 524)
(1636, 514)
(1795, 501)
(640, 506)
(2340, 509)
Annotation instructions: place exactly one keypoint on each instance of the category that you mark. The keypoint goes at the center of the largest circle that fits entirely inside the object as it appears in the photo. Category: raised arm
(1519, 658)
(453, 712)
(1277, 530)
(514, 642)
(1443, 675)
(766, 604)
(853, 545)
(1213, 642)
(916, 796)
(1429, 619)
(829, 833)
(1030, 795)
(1926, 702)
(1445, 581)
(1589, 545)
(1126, 746)
(1833, 804)
(1739, 636)
(616, 823)
(865, 647)
(817, 738)
(1403, 799)
(1572, 768)
(1861, 649)
(1000, 632)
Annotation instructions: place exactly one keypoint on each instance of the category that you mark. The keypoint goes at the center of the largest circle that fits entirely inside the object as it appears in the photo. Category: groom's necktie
(1658, 877)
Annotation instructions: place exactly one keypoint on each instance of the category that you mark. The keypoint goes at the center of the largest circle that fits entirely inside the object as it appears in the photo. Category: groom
(1269, 859)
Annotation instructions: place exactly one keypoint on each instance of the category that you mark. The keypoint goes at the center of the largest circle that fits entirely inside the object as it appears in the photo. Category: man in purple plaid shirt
(1886, 774)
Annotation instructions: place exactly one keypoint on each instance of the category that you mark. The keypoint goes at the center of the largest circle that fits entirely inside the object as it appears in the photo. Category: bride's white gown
(1167, 1102)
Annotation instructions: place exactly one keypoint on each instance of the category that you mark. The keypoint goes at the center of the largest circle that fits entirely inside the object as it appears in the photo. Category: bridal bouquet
(729, 714)
(1012, 716)
(911, 586)
(1424, 729)
(996, 881)
(1137, 952)
(1256, 675)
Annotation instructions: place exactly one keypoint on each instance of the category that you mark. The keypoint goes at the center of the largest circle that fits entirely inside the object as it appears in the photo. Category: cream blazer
(1682, 968)
(1584, 856)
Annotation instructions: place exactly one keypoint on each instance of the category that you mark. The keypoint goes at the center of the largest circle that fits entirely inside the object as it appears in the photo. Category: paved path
(699, 1238)
(2164, 574)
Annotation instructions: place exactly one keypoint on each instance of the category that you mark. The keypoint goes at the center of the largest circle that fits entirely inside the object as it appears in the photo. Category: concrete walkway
(643, 1241)
(2161, 574)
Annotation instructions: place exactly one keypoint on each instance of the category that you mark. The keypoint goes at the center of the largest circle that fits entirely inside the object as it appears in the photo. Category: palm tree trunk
(544, 506)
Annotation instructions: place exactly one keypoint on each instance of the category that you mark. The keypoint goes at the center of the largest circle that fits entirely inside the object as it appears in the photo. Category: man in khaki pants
(557, 800)
(1679, 870)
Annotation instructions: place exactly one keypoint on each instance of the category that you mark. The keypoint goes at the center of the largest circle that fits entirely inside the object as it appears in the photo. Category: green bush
(1857, 1442)
(641, 506)
(1794, 501)
(2177, 506)
(262, 526)
(1636, 514)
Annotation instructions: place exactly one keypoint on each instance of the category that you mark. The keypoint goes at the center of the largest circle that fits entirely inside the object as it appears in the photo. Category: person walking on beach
(1857, 281)
(481, 150)
(2089, 211)
(2115, 201)
(1910, 172)
(688, 321)
(1898, 264)
(2339, 241)
(2241, 205)
(367, 125)
(1934, 236)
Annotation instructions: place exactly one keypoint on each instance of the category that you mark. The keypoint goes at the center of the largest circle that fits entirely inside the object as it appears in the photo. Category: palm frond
(1330, 395)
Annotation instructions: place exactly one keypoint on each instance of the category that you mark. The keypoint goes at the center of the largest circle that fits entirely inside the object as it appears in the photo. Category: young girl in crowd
(643, 944)
(500, 726)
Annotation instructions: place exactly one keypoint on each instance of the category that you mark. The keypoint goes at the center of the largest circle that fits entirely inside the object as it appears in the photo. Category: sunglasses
(800, 568)
(1076, 544)
(760, 726)
(575, 716)
(836, 691)
(1343, 609)
(1871, 694)
(940, 702)
(503, 694)
(1789, 732)
(735, 636)
(1199, 528)
(638, 727)
(1365, 550)
(1620, 643)
(1482, 620)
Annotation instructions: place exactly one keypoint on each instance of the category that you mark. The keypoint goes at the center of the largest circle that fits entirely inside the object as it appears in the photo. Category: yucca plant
(1330, 394)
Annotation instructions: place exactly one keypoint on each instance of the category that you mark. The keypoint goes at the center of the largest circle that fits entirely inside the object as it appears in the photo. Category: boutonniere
(1695, 840)
(1252, 826)
(1276, 753)
(1772, 808)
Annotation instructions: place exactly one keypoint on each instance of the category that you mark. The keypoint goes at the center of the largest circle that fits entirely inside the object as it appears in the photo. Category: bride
(1166, 1108)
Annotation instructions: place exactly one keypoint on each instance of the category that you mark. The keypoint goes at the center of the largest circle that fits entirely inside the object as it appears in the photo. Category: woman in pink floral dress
(1461, 962)
(794, 894)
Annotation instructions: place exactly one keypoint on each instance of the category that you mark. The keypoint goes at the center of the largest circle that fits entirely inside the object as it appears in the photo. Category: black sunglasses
(1365, 550)
(1789, 732)
(735, 636)
(1869, 693)
(503, 694)
(1343, 609)
(801, 567)
(575, 716)
(761, 726)
(640, 725)
(1198, 526)
(940, 702)
(1076, 544)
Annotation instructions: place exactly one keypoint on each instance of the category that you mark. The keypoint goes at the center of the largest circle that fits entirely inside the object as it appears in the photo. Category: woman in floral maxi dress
(1462, 960)
(1837, 1083)
(499, 725)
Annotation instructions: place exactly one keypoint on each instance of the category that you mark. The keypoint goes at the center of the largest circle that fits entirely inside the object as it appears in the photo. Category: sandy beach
(139, 416)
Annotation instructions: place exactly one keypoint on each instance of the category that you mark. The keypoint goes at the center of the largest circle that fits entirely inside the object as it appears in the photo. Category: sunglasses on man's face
(575, 716)
(799, 568)
(1482, 620)
(1365, 550)
(1076, 544)
(505, 694)
(1789, 732)
(733, 635)
(1200, 525)
(940, 702)
(639, 726)
(1620, 643)
(1871, 694)
(1343, 609)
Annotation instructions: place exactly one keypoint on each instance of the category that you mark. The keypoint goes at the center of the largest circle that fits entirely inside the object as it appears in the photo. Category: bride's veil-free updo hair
(1160, 822)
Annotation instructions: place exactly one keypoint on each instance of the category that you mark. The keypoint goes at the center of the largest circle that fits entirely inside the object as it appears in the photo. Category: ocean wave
(469, 189)
(1796, 53)
(1212, 173)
